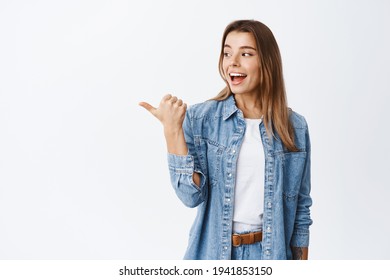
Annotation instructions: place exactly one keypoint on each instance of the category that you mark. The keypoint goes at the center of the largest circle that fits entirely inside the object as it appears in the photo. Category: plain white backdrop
(83, 169)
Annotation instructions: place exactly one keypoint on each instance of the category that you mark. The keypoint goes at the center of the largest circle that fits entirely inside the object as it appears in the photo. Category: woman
(242, 158)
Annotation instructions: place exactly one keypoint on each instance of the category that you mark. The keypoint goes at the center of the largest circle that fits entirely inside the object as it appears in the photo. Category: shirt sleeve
(181, 169)
(303, 221)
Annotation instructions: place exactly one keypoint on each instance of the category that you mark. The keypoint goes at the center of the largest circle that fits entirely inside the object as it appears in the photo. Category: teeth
(237, 74)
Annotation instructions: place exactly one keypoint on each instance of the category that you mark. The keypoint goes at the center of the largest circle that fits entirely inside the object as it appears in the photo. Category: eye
(246, 54)
(226, 54)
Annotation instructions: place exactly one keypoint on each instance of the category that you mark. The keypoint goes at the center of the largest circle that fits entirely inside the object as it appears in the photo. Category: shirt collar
(229, 107)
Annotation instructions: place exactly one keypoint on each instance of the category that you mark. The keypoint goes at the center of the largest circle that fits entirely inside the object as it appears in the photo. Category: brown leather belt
(247, 238)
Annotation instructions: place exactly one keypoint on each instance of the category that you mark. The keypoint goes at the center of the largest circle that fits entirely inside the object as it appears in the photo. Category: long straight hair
(272, 92)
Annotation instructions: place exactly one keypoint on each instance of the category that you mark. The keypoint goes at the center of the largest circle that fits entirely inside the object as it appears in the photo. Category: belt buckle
(240, 240)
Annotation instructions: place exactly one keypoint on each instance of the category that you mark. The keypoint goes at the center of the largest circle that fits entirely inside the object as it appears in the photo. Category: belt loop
(237, 237)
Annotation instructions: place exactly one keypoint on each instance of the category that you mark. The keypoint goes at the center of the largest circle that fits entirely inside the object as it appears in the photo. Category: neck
(250, 105)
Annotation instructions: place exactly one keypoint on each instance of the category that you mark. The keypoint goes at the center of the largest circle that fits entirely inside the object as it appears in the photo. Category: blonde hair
(272, 90)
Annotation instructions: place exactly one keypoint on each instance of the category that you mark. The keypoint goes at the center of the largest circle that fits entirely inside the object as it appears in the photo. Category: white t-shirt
(249, 188)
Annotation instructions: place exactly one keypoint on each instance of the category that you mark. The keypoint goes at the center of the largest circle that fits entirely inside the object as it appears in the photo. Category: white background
(83, 172)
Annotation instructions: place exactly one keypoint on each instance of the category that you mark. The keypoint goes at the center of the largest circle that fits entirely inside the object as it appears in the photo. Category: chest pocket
(293, 166)
(210, 155)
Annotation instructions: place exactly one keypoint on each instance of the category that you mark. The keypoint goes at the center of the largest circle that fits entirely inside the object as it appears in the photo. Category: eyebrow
(242, 47)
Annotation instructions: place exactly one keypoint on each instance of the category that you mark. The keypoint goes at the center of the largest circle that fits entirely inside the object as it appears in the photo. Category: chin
(237, 90)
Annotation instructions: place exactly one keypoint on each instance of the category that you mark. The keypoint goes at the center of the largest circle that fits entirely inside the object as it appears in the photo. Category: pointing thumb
(148, 107)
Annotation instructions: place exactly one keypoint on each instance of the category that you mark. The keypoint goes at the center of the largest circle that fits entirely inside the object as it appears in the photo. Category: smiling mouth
(237, 78)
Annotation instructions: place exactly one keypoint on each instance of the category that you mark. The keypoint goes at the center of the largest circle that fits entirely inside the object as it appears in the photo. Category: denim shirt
(214, 132)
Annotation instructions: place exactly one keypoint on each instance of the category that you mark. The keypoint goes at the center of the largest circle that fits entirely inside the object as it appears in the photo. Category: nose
(234, 61)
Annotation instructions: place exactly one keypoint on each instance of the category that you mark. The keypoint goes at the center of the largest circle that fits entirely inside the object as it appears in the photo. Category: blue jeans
(247, 251)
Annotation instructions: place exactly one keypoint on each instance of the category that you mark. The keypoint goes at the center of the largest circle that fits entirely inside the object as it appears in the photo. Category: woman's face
(241, 63)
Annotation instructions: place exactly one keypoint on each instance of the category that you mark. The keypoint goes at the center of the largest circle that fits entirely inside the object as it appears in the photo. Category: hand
(170, 112)
(300, 253)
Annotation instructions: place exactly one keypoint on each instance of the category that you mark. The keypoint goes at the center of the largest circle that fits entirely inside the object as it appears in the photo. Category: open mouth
(237, 78)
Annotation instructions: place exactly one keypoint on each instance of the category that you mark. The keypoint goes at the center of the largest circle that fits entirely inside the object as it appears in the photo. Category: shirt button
(230, 174)
(228, 199)
(234, 151)
(225, 248)
(269, 204)
(268, 229)
(268, 252)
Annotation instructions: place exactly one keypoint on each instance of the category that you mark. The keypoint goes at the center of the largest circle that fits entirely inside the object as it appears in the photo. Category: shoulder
(301, 131)
(207, 109)
(298, 121)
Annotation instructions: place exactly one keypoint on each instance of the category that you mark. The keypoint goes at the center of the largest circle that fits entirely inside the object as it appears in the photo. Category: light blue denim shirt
(214, 132)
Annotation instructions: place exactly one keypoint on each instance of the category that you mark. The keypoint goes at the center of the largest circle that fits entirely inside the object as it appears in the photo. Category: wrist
(173, 131)
(175, 141)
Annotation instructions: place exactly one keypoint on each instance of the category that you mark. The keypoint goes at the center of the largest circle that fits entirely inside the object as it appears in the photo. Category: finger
(167, 97)
(179, 102)
(148, 107)
(173, 100)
